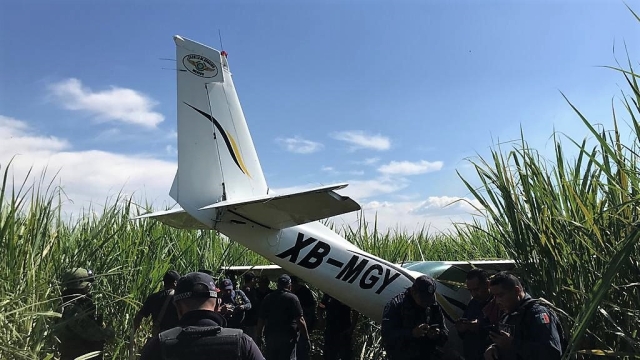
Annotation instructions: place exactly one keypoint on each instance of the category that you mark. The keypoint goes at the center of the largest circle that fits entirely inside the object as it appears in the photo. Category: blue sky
(390, 97)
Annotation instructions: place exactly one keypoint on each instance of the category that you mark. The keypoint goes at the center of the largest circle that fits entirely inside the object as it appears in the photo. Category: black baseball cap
(171, 275)
(284, 280)
(195, 284)
(226, 284)
(425, 285)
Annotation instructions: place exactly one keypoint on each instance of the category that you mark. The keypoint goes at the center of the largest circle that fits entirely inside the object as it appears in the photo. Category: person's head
(170, 279)
(77, 280)
(263, 283)
(507, 290)
(295, 283)
(284, 282)
(478, 284)
(226, 286)
(423, 291)
(195, 291)
(249, 279)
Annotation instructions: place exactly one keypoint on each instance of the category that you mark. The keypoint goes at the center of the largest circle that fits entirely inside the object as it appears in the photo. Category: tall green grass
(572, 225)
(37, 245)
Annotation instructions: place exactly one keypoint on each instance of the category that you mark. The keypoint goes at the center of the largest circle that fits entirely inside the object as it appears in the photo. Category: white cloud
(360, 140)
(327, 169)
(115, 104)
(89, 176)
(402, 216)
(299, 145)
(171, 150)
(451, 203)
(410, 168)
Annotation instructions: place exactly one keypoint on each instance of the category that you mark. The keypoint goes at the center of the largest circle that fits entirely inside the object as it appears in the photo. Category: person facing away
(340, 323)
(199, 335)
(159, 306)
(481, 312)
(413, 323)
(234, 304)
(251, 316)
(80, 329)
(282, 320)
(308, 303)
(528, 330)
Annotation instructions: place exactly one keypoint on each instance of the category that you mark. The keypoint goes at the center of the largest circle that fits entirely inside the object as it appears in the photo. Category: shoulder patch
(543, 318)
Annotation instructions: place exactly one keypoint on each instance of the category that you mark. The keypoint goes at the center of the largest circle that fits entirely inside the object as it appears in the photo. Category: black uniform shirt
(535, 332)
(338, 314)
(281, 309)
(203, 318)
(152, 306)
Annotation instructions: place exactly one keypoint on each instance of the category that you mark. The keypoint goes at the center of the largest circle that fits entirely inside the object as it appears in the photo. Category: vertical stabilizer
(216, 157)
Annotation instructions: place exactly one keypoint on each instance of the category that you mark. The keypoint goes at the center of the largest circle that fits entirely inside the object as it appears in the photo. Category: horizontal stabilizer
(177, 218)
(279, 211)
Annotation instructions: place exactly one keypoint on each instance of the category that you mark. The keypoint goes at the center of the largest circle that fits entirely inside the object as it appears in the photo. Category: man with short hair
(413, 323)
(282, 319)
(199, 334)
(80, 329)
(234, 304)
(480, 313)
(529, 329)
(159, 306)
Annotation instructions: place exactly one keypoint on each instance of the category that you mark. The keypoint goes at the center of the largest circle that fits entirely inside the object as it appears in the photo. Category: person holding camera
(413, 323)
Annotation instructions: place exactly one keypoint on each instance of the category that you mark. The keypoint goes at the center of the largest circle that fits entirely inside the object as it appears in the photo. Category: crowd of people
(197, 317)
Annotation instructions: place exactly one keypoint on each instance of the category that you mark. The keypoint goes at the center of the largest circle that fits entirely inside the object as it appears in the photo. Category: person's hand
(433, 332)
(420, 330)
(502, 339)
(491, 353)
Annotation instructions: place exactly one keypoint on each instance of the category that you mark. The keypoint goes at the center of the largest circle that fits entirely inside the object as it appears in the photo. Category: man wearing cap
(160, 306)
(80, 329)
(282, 319)
(234, 304)
(413, 323)
(199, 334)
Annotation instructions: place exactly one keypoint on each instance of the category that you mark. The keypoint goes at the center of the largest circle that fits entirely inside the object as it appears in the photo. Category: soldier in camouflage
(80, 329)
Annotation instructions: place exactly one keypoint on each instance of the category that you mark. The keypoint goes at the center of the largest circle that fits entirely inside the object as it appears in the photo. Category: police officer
(234, 304)
(160, 306)
(529, 330)
(282, 318)
(80, 329)
(199, 334)
(340, 323)
(413, 323)
(308, 303)
(251, 316)
(481, 312)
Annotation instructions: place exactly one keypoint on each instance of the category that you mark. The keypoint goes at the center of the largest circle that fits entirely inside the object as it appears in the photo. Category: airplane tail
(217, 160)
(218, 167)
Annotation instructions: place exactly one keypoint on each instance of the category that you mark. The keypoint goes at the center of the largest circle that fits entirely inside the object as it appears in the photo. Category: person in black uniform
(200, 333)
(282, 319)
(251, 316)
(413, 323)
(481, 312)
(340, 323)
(234, 304)
(160, 306)
(529, 330)
(308, 303)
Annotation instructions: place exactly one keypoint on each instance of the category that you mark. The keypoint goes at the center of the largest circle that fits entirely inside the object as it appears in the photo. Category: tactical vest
(210, 342)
